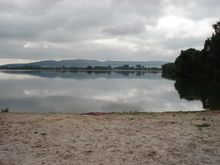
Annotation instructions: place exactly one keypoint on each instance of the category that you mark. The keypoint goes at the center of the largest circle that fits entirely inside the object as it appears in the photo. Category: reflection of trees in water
(208, 91)
(87, 74)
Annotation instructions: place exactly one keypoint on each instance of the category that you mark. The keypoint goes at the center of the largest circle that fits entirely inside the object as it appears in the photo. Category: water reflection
(207, 91)
(80, 92)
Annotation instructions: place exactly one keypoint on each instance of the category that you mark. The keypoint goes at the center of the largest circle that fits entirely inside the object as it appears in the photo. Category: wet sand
(110, 139)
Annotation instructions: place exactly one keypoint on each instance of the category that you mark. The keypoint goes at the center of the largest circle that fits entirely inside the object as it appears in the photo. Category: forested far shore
(90, 68)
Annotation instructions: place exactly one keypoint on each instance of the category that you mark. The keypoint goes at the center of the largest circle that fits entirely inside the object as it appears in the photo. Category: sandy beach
(110, 139)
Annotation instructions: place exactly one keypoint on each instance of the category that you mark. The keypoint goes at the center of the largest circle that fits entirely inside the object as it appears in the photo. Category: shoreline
(132, 113)
(112, 113)
(110, 138)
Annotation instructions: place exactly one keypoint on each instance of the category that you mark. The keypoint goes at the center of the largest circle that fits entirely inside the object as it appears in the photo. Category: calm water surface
(81, 92)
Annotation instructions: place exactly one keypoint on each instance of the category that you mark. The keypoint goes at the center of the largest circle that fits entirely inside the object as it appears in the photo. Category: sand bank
(110, 139)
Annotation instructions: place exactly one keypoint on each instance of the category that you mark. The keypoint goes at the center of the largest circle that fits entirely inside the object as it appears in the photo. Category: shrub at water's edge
(5, 110)
(196, 63)
(169, 70)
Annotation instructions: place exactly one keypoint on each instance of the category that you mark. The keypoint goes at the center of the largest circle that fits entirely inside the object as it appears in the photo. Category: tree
(189, 62)
(217, 28)
(169, 70)
(196, 63)
(213, 55)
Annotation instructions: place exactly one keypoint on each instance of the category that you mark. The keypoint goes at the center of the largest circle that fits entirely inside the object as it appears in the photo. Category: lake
(82, 92)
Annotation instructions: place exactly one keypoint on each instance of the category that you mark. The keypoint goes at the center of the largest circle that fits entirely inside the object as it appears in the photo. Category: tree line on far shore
(123, 67)
(197, 63)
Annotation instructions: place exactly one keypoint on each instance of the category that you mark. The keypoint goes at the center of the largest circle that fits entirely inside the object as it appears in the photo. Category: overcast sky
(103, 29)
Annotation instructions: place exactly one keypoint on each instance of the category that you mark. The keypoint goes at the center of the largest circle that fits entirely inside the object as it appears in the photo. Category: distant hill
(86, 63)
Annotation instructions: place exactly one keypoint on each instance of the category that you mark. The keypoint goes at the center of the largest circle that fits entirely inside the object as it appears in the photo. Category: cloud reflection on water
(149, 93)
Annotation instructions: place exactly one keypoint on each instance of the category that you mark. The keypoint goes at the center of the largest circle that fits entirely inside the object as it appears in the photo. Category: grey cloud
(71, 28)
(182, 43)
(134, 28)
(27, 7)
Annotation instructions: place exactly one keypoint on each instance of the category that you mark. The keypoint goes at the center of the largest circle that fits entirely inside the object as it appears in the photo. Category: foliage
(189, 62)
(169, 70)
(5, 110)
(196, 63)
